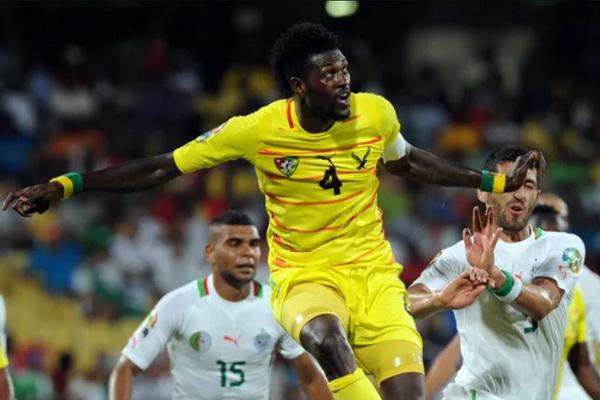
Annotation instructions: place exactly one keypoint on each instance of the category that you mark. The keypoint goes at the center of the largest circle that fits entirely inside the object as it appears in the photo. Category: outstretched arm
(131, 176)
(538, 298)
(428, 168)
(582, 367)
(121, 379)
(445, 365)
(311, 378)
(459, 293)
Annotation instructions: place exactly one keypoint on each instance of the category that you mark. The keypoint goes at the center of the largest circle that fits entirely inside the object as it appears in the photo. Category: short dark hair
(232, 217)
(506, 153)
(544, 210)
(293, 48)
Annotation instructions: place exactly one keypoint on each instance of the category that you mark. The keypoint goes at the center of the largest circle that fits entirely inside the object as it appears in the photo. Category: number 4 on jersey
(330, 179)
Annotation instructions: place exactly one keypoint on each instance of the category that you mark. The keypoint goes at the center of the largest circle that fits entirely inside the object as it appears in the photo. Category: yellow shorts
(370, 301)
(3, 358)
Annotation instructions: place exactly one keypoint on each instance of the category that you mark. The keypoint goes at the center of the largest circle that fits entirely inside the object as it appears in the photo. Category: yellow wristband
(67, 185)
(499, 183)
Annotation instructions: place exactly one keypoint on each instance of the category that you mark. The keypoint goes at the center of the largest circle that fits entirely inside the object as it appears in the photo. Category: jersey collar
(206, 287)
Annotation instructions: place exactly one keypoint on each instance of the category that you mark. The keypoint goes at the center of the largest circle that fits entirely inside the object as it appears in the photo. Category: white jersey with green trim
(589, 282)
(507, 355)
(219, 349)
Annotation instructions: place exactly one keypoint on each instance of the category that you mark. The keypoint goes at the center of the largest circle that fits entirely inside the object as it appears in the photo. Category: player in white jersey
(550, 214)
(511, 337)
(580, 378)
(219, 330)
(6, 389)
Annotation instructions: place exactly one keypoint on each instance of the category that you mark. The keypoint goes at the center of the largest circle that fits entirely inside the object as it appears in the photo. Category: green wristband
(77, 182)
(505, 289)
(487, 181)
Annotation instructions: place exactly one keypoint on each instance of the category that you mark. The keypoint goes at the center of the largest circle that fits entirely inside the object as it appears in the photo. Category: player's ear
(298, 86)
(209, 251)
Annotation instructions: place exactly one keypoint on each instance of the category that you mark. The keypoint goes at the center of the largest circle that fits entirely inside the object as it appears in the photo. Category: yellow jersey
(3, 357)
(575, 331)
(320, 188)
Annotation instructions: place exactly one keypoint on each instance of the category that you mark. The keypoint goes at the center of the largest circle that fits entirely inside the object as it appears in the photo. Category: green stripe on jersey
(201, 291)
(258, 289)
(538, 232)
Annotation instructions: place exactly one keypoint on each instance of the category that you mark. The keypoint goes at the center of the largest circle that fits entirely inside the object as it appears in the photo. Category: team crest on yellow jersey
(207, 135)
(362, 161)
(287, 165)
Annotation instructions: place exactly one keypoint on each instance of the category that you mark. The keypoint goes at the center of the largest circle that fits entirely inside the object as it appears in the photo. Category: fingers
(22, 208)
(495, 237)
(21, 203)
(12, 196)
(478, 276)
(541, 163)
(536, 159)
(476, 219)
(466, 233)
(489, 219)
(478, 290)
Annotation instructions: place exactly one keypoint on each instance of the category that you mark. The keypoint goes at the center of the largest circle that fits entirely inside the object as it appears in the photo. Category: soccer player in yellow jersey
(335, 280)
(6, 390)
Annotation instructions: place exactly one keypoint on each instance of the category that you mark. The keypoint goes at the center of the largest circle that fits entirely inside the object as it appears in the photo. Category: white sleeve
(288, 347)
(151, 337)
(564, 262)
(442, 269)
(396, 149)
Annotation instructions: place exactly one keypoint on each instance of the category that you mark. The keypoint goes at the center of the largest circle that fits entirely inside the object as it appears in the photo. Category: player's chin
(340, 113)
(516, 225)
(244, 274)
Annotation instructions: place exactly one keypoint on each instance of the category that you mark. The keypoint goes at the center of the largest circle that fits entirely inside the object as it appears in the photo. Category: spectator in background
(61, 375)
(54, 257)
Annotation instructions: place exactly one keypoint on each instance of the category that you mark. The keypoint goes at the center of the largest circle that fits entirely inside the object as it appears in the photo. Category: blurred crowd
(112, 256)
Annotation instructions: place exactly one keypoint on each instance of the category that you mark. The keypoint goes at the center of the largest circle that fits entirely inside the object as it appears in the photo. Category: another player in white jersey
(6, 390)
(219, 330)
(511, 337)
(580, 379)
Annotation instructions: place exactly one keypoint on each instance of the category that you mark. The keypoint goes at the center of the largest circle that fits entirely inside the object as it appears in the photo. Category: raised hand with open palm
(480, 244)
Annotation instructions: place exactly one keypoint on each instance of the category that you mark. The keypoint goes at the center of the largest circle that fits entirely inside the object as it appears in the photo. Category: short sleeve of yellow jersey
(388, 123)
(3, 357)
(237, 138)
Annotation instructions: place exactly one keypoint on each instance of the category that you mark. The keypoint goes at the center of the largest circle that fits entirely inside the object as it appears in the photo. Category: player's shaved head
(230, 217)
(292, 51)
(233, 248)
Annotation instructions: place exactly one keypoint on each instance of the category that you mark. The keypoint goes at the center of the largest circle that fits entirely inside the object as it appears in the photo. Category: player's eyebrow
(241, 239)
(529, 180)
